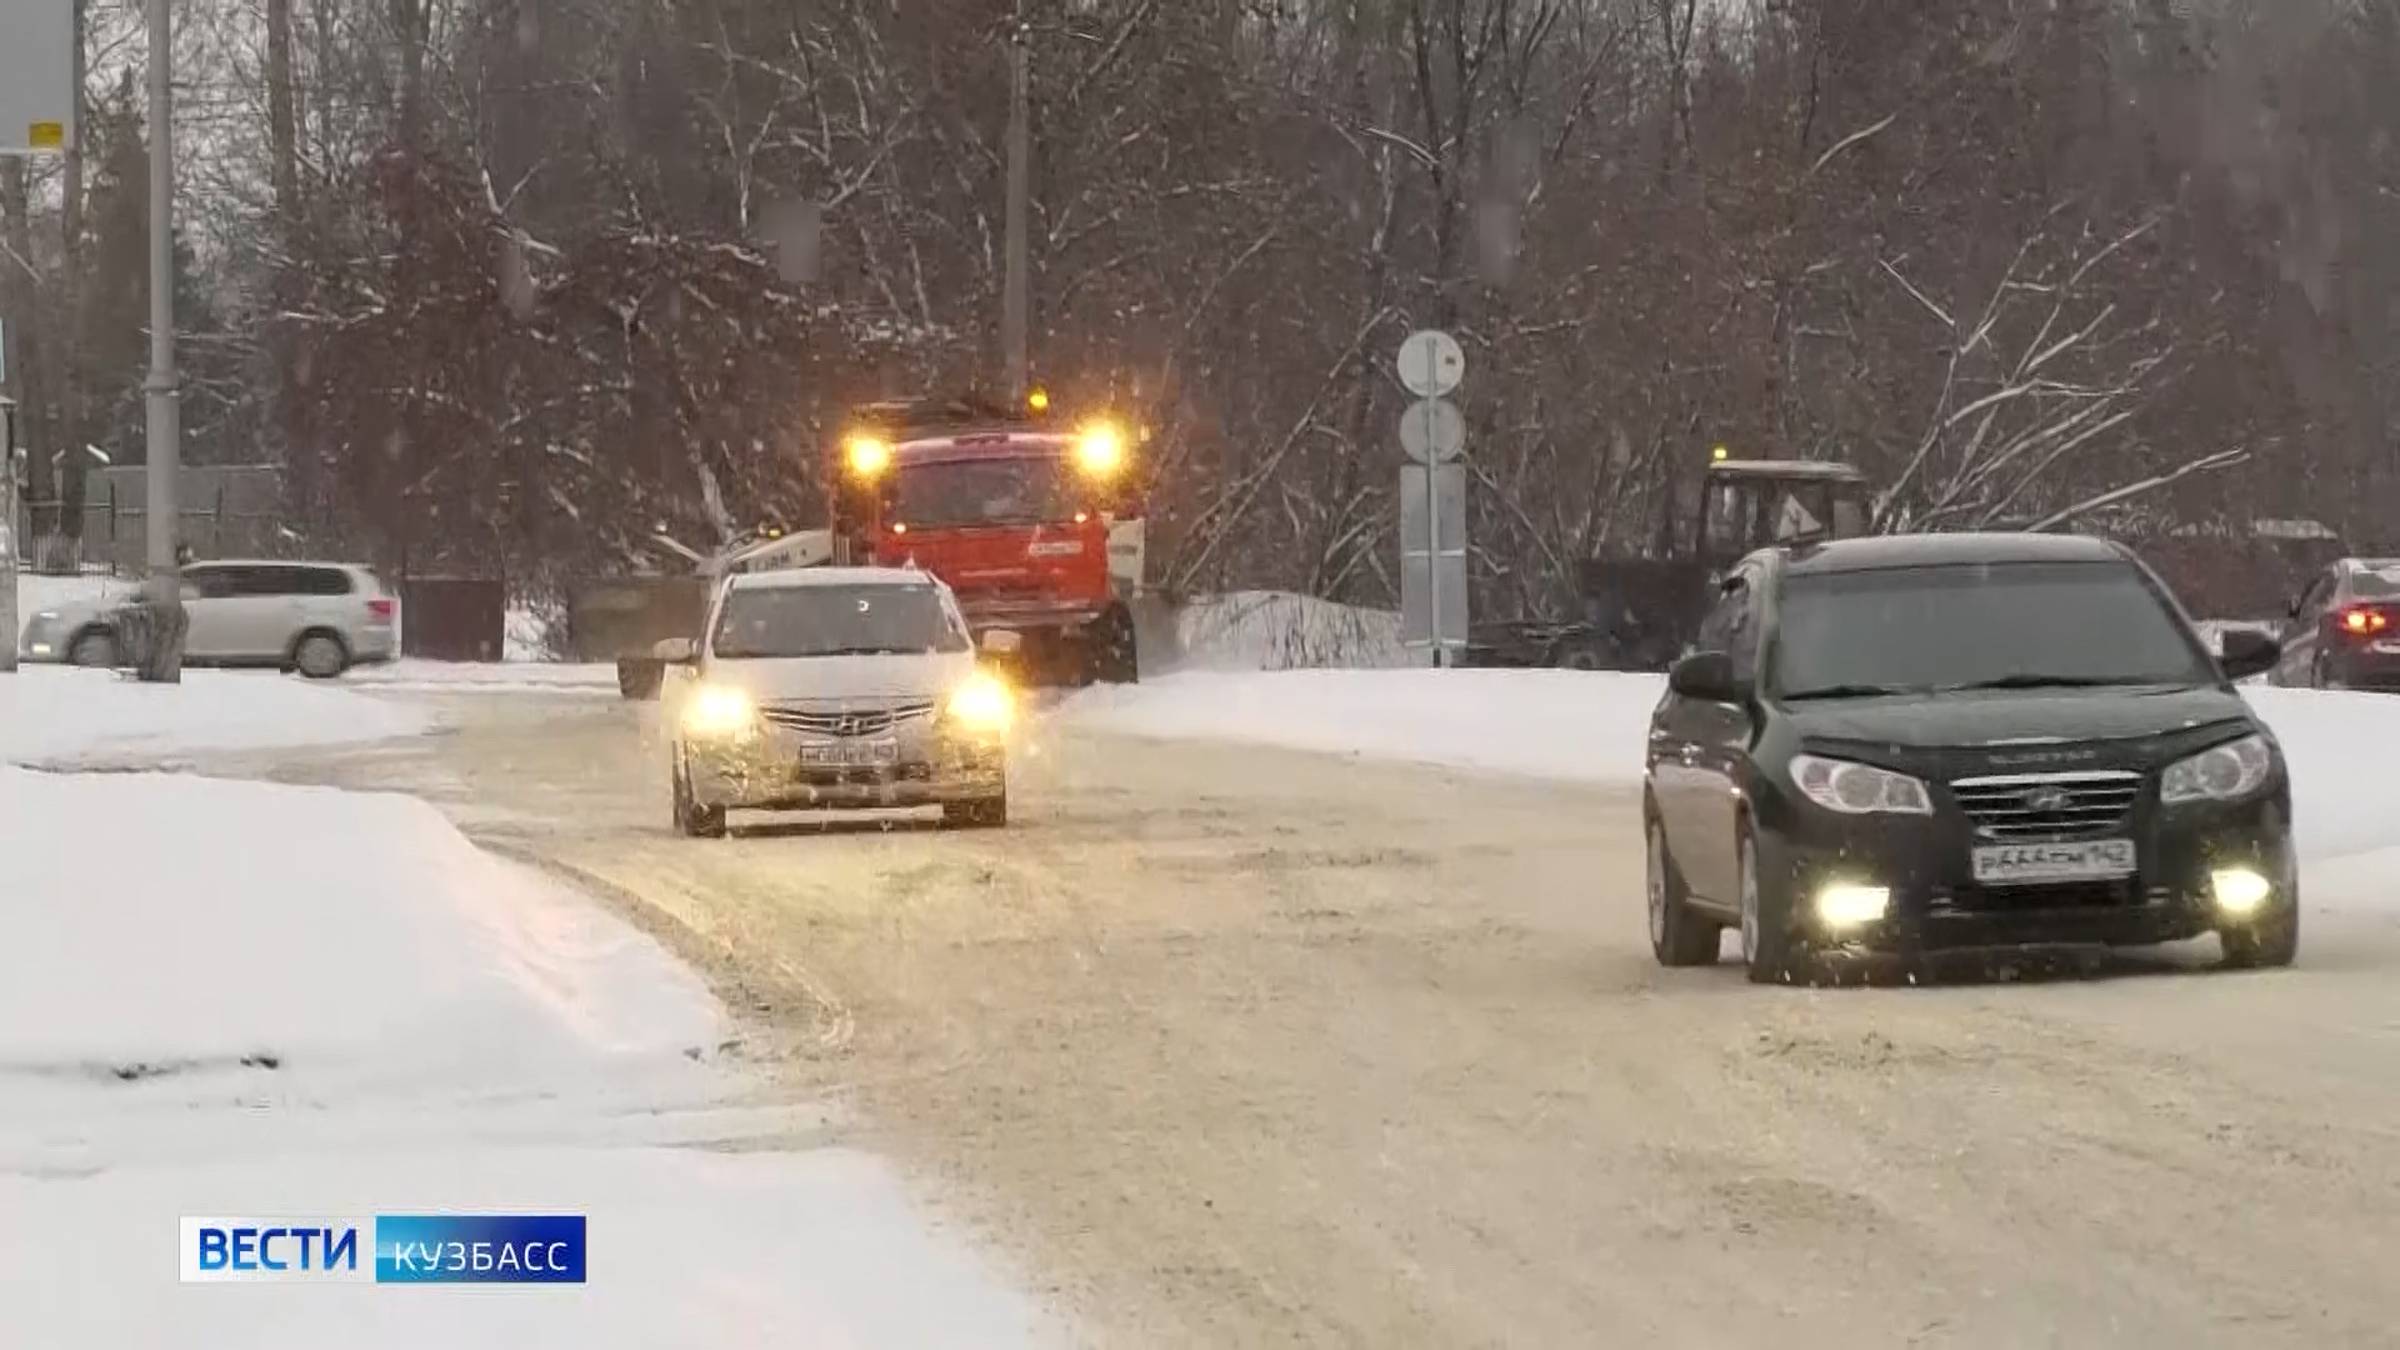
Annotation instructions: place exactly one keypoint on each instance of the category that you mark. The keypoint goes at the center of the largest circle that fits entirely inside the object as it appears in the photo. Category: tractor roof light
(868, 456)
(1100, 450)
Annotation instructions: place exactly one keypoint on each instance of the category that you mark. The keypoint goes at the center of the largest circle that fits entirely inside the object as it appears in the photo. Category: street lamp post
(1017, 294)
(163, 592)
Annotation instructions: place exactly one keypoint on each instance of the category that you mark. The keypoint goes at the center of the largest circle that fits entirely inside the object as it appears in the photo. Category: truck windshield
(2002, 625)
(1021, 490)
(799, 621)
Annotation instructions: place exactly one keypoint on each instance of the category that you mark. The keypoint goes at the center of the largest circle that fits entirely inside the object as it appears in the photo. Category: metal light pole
(1016, 297)
(164, 590)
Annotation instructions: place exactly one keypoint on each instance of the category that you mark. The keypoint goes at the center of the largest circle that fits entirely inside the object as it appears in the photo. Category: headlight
(2239, 891)
(2227, 773)
(869, 456)
(1100, 450)
(716, 710)
(45, 616)
(1859, 789)
(1845, 905)
(983, 703)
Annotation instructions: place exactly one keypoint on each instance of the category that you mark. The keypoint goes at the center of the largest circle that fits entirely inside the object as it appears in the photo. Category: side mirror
(1707, 677)
(2244, 652)
(675, 651)
(1001, 642)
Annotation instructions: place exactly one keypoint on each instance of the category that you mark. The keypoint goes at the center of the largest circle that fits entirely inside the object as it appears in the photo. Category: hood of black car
(2000, 720)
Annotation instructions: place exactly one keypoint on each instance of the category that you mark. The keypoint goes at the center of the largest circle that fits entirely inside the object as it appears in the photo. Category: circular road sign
(1431, 363)
(1432, 431)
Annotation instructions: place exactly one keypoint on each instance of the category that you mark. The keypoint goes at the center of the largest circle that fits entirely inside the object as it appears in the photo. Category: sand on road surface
(1228, 1046)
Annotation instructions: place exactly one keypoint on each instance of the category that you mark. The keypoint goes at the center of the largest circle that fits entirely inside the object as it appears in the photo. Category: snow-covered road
(1228, 1043)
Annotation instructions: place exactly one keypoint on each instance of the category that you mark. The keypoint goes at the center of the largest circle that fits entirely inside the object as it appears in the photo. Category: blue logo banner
(479, 1249)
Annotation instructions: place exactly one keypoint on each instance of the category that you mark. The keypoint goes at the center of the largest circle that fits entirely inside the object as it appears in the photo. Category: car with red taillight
(2344, 630)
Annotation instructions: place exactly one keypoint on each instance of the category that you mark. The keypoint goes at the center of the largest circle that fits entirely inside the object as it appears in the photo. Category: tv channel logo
(386, 1249)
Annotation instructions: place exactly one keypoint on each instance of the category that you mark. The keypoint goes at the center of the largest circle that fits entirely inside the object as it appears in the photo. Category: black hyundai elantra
(1916, 744)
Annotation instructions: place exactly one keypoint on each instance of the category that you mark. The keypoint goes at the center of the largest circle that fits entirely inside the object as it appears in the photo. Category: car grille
(2047, 896)
(2047, 806)
(838, 721)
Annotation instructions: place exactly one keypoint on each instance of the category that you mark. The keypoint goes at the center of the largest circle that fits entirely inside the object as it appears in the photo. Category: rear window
(2376, 581)
(1926, 628)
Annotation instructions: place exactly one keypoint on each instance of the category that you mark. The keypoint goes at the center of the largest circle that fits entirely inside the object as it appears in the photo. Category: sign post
(8, 534)
(1433, 498)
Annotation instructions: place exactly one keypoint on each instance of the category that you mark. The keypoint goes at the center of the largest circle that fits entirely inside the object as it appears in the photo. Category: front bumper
(1065, 616)
(45, 640)
(932, 764)
(1937, 905)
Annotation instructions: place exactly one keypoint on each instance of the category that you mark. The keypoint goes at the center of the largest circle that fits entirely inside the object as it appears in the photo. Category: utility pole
(1017, 296)
(163, 663)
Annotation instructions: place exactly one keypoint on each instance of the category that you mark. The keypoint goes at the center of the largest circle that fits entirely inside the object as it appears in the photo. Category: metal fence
(227, 511)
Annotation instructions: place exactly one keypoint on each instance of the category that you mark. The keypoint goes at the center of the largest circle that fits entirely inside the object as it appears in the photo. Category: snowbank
(302, 1001)
(1544, 723)
(1591, 728)
(1275, 630)
(58, 712)
(532, 676)
(344, 932)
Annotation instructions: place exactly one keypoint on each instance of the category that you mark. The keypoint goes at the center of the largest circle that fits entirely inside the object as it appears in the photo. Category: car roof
(275, 562)
(789, 578)
(1948, 550)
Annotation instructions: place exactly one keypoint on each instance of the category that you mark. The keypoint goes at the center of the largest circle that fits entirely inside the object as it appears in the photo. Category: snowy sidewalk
(238, 998)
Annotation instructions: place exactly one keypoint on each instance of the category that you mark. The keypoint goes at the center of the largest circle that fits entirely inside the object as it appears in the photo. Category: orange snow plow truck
(1035, 523)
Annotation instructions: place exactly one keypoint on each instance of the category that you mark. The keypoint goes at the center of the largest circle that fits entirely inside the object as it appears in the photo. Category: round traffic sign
(1431, 363)
(1432, 431)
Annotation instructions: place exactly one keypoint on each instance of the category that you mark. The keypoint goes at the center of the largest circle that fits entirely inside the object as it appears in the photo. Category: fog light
(2239, 890)
(39, 648)
(1845, 906)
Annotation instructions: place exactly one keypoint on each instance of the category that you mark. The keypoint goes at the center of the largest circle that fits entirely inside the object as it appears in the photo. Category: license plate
(850, 754)
(2089, 860)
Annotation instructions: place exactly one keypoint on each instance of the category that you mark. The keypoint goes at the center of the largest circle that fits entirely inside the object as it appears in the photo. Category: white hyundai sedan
(835, 688)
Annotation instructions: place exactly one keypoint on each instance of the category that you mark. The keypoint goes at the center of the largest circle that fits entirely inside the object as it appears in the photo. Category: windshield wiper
(2029, 680)
(1834, 691)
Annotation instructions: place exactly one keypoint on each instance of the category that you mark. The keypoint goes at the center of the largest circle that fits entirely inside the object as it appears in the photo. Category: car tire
(1769, 953)
(95, 647)
(2272, 941)
(693, 819)
(320, 655)
(1679, 935)
(983, 814)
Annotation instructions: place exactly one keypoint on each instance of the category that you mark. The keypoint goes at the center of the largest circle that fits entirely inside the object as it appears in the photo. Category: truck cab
(1035, 526)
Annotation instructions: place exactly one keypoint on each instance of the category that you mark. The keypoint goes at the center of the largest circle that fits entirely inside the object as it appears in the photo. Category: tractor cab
(1641, 612)
(1750, 504)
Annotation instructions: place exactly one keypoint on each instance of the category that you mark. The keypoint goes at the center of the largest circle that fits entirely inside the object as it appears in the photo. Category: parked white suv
(317, 618)
(842, 687)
